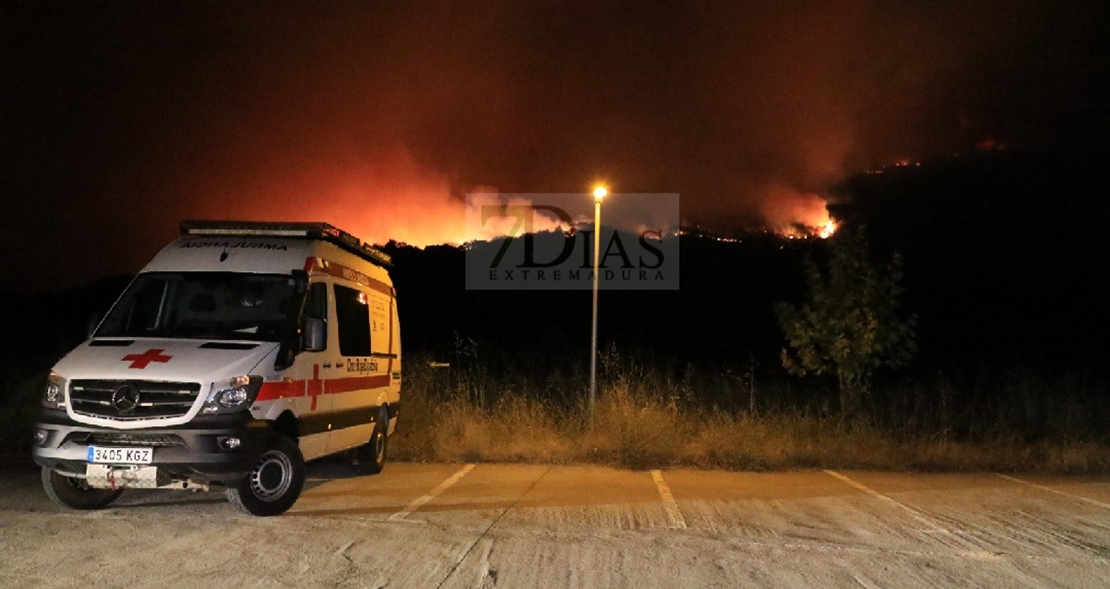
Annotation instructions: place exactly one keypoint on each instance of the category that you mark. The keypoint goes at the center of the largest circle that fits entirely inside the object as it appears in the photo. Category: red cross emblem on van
(141, 361)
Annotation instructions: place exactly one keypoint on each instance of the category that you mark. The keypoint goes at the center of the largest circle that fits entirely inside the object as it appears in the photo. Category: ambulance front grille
(127, 439)
(129, 400)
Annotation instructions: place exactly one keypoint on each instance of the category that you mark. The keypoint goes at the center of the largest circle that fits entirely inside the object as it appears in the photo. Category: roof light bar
(315, 230)
(252, 232)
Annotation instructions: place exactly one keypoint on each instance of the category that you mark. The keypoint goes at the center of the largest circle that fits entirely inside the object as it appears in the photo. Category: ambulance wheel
(74, 492)
(371, 455)
(275, 482)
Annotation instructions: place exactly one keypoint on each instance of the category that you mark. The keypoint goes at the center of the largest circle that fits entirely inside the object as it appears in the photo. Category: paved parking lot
(487, 525)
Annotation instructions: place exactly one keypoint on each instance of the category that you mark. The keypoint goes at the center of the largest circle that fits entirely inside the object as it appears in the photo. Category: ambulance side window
(141, 310)
(148, 307)
(352, 313)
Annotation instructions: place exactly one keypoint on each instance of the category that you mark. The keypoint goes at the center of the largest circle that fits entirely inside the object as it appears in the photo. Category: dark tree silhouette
(849, 324)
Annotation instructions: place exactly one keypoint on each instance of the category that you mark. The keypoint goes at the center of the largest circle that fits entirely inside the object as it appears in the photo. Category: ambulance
(242, 350)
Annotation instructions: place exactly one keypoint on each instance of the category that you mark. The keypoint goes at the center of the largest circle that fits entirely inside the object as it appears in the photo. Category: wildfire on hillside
(827, 229)
(798, 215)
(799, 231)
(395, 198)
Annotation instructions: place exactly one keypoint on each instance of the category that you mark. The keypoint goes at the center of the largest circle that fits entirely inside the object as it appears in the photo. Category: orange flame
(797, 215)
(827, 229)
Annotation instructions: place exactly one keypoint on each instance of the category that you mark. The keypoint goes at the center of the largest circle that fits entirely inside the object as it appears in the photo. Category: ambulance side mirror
(315, 334)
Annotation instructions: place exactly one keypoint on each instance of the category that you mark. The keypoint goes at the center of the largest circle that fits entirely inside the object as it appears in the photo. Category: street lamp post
(599, 194)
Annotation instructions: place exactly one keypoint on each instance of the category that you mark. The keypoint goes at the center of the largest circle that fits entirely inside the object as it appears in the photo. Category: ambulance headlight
(232, 398)
(234, 395)
(54, 395)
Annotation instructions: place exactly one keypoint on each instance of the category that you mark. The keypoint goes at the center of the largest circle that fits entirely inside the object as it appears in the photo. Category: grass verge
(643, 420)
(636, 424)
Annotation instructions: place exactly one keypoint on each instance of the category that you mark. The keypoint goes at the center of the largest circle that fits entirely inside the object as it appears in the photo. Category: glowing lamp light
(599, 193)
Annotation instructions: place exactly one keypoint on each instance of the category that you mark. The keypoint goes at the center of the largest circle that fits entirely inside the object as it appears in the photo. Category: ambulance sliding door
(351, 394)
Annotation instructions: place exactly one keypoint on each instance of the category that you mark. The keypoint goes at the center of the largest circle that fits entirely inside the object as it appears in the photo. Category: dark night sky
(121, 118)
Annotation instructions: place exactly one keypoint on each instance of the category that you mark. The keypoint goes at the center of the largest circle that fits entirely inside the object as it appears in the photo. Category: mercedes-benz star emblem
(126, 398)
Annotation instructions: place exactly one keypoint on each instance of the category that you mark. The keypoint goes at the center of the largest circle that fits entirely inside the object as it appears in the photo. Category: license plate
(100, 455)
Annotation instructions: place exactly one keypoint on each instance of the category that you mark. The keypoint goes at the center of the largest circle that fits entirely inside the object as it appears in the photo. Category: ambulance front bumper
(219, 448)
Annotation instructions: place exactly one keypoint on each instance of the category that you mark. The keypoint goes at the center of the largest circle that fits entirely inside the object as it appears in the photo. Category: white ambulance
(240, 351)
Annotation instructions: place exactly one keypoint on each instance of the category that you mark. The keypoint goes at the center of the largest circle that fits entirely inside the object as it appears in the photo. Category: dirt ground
(494, 525)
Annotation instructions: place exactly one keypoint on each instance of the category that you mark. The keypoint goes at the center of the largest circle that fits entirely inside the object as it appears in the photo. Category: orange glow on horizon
(395, 198)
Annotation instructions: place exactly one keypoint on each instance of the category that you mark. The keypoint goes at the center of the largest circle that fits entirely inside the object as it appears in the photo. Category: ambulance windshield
(206, 305)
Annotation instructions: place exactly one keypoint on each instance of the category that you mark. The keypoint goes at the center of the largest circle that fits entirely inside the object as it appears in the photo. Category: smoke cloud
(380, 118)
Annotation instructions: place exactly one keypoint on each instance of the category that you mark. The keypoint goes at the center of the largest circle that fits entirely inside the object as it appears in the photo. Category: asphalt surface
(495, 525)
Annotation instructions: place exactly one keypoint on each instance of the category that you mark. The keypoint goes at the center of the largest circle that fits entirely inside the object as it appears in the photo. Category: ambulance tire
(275, 482)
(74, 492)
(371, 455)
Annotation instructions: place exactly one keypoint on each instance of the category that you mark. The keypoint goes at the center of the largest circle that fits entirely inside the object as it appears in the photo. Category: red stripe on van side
(280, 390)
(344, 385)
(296, 388)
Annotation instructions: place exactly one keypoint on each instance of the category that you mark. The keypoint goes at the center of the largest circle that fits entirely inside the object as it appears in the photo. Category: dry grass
(635, 426)
(644, 421)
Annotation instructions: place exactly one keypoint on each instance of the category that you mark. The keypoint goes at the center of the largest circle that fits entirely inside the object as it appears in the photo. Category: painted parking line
(1087, 500)
(669, 504)
(485, 534)
(932, 526)
(420, 501)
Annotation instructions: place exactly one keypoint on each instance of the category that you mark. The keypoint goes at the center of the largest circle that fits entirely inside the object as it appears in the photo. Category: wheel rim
(78, 483)
(379, 446)
(272, 476)
(379, 438)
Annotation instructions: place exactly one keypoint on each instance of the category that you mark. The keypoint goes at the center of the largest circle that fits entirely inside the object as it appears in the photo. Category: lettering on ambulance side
(313, 264)
(361, 366)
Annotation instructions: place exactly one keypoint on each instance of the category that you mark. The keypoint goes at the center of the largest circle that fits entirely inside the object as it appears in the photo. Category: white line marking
(420, 501)
(863, 581)
(862, 487)
(485, 533)
(1057, 491)
(669, 504)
